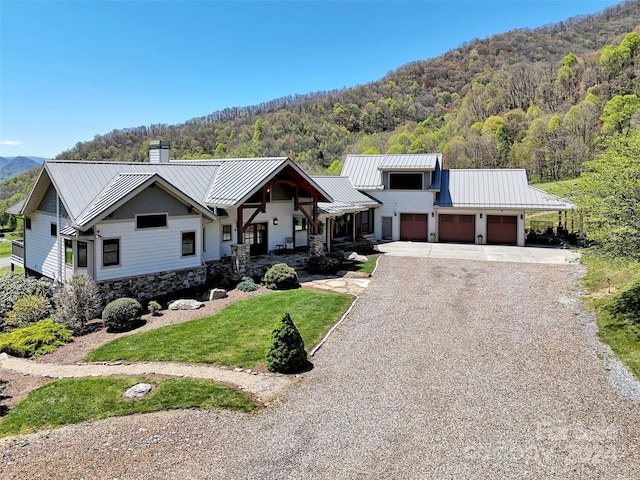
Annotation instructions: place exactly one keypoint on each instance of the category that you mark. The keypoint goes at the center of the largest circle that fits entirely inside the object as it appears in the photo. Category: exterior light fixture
(275, 220)
(480, 215)
(521, 216)
(433, 214)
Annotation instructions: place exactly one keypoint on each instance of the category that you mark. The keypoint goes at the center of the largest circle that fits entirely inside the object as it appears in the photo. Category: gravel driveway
(445, 369)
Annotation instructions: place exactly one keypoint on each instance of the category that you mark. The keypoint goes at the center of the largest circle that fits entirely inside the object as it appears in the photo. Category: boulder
(185, 304)
(216, 293)
(358, 258)
(138, 390)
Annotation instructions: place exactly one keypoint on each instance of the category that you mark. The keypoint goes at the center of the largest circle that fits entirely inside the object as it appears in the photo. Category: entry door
(387, 228)
(256, 236)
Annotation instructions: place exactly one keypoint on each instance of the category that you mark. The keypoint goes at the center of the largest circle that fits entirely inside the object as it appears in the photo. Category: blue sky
(72, 70)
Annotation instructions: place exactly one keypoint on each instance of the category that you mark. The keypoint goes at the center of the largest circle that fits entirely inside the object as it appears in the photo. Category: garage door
(413, 226)
(502, 229)
(457, 228)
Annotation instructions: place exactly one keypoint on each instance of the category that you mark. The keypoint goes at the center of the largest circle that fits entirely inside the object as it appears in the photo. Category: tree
(609, 195)
(78, 302)
(286, 353)
(618, 113)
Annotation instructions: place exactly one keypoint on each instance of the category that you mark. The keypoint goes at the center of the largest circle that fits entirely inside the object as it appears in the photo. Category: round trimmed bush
(121, 314)
(280, 277)
(286, 353)
(247, 285)
(324, 264)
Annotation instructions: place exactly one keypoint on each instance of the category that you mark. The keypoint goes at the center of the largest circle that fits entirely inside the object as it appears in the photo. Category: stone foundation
(145, 287)
(240, 261)
(316, 245)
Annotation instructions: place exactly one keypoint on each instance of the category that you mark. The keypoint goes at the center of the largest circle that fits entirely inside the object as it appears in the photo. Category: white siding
(395, 202)
(41, 249)
(212, 240)
(481, 223)
(148, 250)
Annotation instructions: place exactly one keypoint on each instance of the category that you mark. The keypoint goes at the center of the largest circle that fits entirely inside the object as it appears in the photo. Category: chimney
(159, 151)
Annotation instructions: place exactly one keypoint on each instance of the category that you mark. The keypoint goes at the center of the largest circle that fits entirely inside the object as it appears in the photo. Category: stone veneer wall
(316, 245)
(153, 285)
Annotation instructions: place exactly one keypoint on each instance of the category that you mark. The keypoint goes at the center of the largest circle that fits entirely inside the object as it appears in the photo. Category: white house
(419, 201)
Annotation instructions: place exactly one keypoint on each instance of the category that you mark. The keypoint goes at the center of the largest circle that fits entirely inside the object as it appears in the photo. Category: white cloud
(13, 143)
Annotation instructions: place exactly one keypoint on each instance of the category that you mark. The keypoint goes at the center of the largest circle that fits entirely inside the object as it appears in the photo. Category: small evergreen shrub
(324, 265)
(154, 308)
(337, 253)
(247, 285)
(225, 283)
(286, 353)
(28, 310)
(363, 247)
(280, 277)
(78, 302)
(121, 314)
(14, 287)
(36, 339)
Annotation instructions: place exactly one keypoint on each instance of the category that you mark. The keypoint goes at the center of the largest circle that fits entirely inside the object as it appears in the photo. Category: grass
(5, 249)
(70, 401)
(619, 334)
(7, 269)
(236, 336)
(366, 267)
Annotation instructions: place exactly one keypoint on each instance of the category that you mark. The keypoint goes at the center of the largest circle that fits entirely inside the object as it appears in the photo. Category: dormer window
(405, 181)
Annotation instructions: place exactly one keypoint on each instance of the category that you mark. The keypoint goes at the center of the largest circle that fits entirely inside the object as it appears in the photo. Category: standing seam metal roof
(365, 171)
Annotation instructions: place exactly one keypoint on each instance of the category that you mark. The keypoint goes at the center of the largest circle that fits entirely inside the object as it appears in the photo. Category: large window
(405, 181)
(82, 254)
(226, 233)
(151, 221)
(110, 252)
(68, 252)
(188, 243)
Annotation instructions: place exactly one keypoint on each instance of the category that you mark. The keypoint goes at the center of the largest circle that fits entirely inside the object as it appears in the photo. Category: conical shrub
(286, 353)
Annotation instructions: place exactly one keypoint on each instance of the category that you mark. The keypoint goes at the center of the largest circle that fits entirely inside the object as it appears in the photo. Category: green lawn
(236, 336)
(5, 249)
(621, 336)
(69, 401)
(366, 267)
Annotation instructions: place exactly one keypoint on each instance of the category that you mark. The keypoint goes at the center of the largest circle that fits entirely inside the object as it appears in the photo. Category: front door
(256, 236)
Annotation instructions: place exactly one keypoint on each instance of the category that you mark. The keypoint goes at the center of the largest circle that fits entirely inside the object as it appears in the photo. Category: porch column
(316, 245)
(240, 258)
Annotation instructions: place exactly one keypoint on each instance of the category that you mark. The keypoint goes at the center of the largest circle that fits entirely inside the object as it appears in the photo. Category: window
(54, 230)
(68, 252)
(300, 223)
(151, 221)
(204, 243)
(188, 243)
(27, 223)
(82, 254)
(226, 233)
(405, 181)
(110, 252)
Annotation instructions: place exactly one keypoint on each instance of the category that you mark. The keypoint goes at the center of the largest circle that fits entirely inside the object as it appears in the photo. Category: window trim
(304, 224)
(149, 215)
(182, 243)
(224, 227)
(53, 230)
(118, 252)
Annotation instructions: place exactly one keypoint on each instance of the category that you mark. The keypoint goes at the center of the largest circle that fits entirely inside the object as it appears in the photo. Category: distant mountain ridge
(39, 160)
(12, 166)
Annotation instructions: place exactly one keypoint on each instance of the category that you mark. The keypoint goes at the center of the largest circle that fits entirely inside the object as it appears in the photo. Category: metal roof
(346, 199)
(365, 171)
(495, 188)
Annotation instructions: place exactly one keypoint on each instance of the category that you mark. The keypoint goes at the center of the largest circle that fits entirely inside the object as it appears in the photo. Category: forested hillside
(536, 99)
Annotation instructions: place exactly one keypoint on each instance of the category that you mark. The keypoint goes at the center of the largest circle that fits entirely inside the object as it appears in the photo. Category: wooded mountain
(10, 167)
(527, 98)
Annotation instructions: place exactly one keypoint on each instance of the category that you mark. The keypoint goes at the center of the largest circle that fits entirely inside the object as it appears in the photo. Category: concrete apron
(489, 253)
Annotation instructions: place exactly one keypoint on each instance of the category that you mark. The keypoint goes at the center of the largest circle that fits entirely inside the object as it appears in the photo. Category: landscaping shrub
(247, 285)
(14, 287)
(78, 302)
(286, 353)
(325, 265)
(363, 247)
(280, 277)
(28, 310)
(154, 308)
(36, 339)
(121, 314)
(337, 253)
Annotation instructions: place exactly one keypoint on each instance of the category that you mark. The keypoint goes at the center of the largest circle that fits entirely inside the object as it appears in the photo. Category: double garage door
(501, 229)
